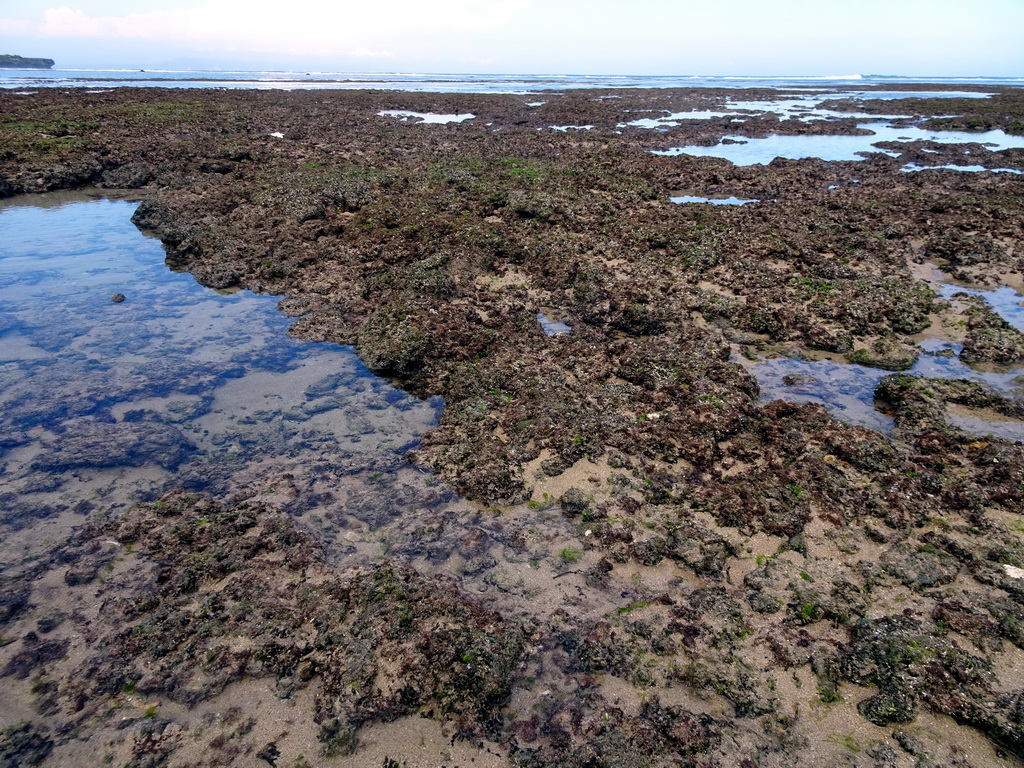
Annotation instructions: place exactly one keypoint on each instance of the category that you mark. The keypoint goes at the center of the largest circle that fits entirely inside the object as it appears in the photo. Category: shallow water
(425, 117)
(739, 111)
(1006, 302)
(104, 404)
(914, 167)
(458, 82)
(552, 327)
(747, 151)
(723, 200)
(847, 389)
(804, 107)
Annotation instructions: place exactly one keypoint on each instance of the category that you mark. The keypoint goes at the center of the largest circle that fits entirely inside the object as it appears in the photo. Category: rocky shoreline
(13, 61)
(650, 566)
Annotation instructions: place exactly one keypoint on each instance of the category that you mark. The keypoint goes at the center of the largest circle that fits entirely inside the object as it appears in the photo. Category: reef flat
(635, 561)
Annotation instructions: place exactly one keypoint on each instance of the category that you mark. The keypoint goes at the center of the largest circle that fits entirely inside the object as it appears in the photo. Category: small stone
(117, 298)
(1014, 572)
(799, 380)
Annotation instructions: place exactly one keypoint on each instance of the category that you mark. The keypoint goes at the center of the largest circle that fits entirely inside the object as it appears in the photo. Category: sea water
(456, 83)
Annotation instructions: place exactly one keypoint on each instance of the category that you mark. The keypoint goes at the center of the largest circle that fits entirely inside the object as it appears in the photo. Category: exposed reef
(648, 565)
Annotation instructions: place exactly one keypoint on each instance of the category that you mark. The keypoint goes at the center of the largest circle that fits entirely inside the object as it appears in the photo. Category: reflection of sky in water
(1005, 301)
(847, 390)
(68, 355)
(425, 117)
(762, 151)
(713, 200)
(914, 167)
(804, 107)
(741, 110)
(552, 327)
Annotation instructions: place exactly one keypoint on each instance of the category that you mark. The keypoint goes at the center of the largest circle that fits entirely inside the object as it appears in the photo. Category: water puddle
(741, 150)
(552, 327)
(984, 422)
(846, 390)
(120, 378)
(107, 404)
(713, 199)
(425, 117)
(804, 107)
(567, 128)
(895, 95)
(1006, 302)
(914, 167)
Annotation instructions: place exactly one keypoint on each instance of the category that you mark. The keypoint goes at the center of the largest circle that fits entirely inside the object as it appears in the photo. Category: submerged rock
(89, 443)
(918, 402)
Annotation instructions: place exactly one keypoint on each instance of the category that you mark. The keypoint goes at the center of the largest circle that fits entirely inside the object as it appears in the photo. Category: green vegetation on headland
(11, 61)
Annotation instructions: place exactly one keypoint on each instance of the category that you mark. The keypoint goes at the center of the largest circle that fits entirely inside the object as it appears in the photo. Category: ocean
(451, 83)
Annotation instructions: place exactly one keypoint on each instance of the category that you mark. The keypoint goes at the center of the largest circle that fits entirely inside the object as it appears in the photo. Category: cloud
(353, 28)
(66, 22)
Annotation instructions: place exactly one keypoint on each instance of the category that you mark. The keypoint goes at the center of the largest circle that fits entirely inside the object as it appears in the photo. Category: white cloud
(354, 28)
(66, 22)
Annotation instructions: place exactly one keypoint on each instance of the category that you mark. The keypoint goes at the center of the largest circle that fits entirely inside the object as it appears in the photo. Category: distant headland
(10, 61)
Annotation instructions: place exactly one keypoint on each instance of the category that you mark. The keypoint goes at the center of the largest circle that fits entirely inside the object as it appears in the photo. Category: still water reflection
(847, 390)
(104, 403)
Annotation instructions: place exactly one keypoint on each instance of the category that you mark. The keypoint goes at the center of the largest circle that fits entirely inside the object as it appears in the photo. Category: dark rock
(89, 443)
(128, 176)
(217, 276)
(996, 345)
(24, 745)
(886, 354)
(575, 503)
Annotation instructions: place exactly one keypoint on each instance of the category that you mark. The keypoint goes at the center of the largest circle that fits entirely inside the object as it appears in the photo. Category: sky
(656, 37)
